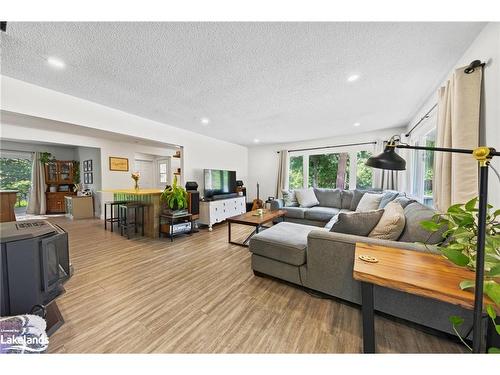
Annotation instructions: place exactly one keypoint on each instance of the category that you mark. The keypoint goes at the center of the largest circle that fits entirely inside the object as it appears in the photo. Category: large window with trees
(342, 169)
(329, 170)
(364, 174)
(296, 172)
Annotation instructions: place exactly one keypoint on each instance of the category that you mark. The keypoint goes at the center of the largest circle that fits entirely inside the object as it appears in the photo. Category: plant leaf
(470, 205)
(466, 284)
(456, 257)
(430, 226)
(494, 271)
(491, 312)
(492, 290)
(456, 320)
(493, 350)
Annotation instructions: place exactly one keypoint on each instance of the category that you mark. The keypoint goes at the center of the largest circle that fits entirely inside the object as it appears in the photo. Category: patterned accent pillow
(391, 224)
(289, 198)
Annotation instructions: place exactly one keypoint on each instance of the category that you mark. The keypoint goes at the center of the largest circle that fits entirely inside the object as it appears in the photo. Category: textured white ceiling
(278, 82)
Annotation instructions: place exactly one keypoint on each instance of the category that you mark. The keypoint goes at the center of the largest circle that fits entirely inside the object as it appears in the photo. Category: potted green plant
(174, 197)
(459, 247)
(45, 157)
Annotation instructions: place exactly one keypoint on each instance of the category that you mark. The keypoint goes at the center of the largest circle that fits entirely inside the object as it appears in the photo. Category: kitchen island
(151, 198)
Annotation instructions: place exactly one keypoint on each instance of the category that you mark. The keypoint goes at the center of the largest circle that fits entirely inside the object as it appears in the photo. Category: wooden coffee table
(257, 221)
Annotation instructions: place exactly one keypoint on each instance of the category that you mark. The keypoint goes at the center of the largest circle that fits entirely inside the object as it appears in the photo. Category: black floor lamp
(389, 159)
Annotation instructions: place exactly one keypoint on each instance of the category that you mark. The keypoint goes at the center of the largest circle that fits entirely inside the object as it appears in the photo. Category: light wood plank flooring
(199, 295)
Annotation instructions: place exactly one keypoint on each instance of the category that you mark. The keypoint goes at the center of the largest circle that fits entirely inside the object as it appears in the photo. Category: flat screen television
(218, 182)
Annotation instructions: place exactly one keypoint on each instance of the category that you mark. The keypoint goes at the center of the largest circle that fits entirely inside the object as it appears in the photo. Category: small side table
(171, 220)
(423, 274)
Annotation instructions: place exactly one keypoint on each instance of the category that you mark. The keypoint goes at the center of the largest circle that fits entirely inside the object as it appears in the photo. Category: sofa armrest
(277, 204)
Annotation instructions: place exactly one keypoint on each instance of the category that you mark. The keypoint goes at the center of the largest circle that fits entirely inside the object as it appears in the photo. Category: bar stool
(126, 222)
(113, 219)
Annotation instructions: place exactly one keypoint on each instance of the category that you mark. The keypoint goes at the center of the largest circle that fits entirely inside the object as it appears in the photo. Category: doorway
(145, 168)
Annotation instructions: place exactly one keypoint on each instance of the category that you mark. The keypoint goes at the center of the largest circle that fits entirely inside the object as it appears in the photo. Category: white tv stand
(216, 211)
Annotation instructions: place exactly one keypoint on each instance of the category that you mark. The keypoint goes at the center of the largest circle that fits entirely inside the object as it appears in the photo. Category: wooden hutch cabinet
(59, 174)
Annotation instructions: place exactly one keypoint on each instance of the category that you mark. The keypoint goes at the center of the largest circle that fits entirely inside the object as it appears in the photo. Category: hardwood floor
(199, 295)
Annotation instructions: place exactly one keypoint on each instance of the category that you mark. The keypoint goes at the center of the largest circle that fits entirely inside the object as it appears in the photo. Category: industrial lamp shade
(387, 160)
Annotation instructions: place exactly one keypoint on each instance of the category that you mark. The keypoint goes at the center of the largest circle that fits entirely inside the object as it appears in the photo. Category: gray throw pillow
(388, 196)
(289, 198)
(415, 213)
(329, 197)
(404, 201)
(358, 223)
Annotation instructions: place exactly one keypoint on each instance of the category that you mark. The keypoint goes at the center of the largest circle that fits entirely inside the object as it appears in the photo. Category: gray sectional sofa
(301, 251)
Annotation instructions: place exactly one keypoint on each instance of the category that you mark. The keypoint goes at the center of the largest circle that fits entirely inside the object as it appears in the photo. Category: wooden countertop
(133, 191)
(424, 274)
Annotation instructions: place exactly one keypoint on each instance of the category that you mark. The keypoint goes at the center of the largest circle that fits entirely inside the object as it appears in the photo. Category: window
(163, 172)
(344, 169)
(296, 172)
(364, 174)
(329, 170)
(15, 174)
(423, 168)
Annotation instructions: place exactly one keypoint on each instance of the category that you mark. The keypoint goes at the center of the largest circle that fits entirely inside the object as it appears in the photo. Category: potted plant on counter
(175, 199)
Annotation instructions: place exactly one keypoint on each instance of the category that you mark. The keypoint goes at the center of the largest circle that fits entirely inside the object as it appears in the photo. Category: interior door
(145, 168)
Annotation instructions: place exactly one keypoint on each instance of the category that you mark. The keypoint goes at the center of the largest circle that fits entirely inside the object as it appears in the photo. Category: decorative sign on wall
(87, 165)
(118, 164)
(88, 178)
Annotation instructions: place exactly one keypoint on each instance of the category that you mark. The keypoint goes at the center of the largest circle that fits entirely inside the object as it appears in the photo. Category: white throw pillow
(391, 224)
(369, 202)
(306, 197)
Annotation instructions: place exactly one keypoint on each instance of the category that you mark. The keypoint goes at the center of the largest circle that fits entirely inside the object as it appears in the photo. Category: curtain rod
(323, 147)
(425, 117)
(468, 70)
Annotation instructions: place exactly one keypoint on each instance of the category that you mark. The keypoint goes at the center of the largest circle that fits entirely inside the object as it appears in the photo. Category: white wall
(60, 153)
(486, 47)
(263, 160)
(199, 151)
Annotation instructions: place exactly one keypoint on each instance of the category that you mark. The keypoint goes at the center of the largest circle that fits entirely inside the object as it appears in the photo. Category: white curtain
(456, 177)
(384, 179)
(37, 203)
(282, 181)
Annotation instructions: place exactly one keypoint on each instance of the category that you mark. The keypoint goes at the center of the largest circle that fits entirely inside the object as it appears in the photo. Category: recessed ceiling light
(353, 77)
(356, 124)
(256, 140)
(205, 121)
(56, 63)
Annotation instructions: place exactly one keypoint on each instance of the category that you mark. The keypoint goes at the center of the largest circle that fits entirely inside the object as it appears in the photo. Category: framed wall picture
(88, 178)
(85, 166)
(89, 165)
(118, 164)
